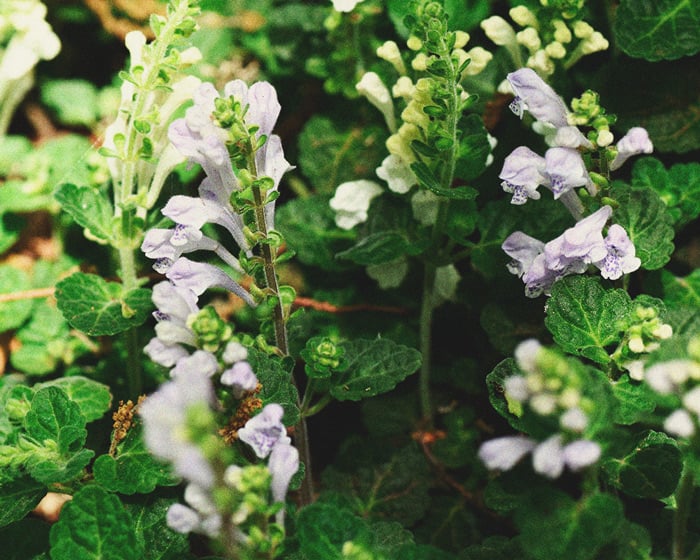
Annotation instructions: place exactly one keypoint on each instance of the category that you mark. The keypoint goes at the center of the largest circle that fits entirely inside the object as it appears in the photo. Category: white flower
(526, 355)
(345, 5)
(397, 173)
(503, 453)
(376, 92)
(574, 419)
(680, 423)
(351, 202)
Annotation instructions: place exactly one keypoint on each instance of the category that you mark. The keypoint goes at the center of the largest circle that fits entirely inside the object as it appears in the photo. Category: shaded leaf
(88, 207)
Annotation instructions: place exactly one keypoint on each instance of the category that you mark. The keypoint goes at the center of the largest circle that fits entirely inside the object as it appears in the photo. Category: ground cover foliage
(363, 279)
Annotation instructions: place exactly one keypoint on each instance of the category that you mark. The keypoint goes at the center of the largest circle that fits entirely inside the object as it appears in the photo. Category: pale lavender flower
(504, 452)
(182, 519)
(564, 170)
(264, 431)
(522, 173)
(283, 465)
(635, 142)
(621, 257)
(580, 245)
(164, 354)
(526, 354)
(165, 415)
(581, 453)
(199, 277)
(201, 361)
(539, 277)
(523, 249)
(534, 95)
(548, 457)
(680, 423)
(241, 378)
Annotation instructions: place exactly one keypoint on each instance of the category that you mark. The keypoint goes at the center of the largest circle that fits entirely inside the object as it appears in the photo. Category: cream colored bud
(414, 43)
(413, 113)
(523, 16)
(461, 39)
(605, 138)
(403, 88)
(636, 344)
(541, 63)
(190, 56)
(498, 30)
(543, 404)
(480, 58)
(389, 51)
(663, 331)
(555, 50)
(582, 30)
(420, 62)
(529, 38)
(461, 56)
(561, 31)
(595, 43)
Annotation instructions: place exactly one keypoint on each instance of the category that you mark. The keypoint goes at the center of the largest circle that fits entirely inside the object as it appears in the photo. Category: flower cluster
(25, 39)
(549, 387)
(562, 169)
(550, 37)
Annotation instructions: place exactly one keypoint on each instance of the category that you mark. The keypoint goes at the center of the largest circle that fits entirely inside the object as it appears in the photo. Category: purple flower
(523, 249)
(201, 361)
(551, 456)
(580, 245)
(264, 431)
(182, 519)
(522, 174)
(241, 378)
(564, 170)
(635, 142)
(503, 453)
(620, 258)
(199, 277)
(283, 465)
(539, 277)
(534, 95)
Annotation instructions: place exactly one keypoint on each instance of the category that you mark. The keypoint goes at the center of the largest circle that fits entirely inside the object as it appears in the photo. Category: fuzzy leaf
(18, 498)
(583, 317)
(378, 248)
(648, 224)
(680, 292)
(13, 313)
(94, 525)
(88, 207)
(634, 400)
(29, 537)
(373, 367)
(132, 469)
(152, 533)
(651, 470)
(97, 307)
(276, 381)
(92, 397)
(75, 101)
(658, 29)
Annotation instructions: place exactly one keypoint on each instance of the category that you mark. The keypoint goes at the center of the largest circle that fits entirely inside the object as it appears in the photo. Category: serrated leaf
(94, 525)
(583, 317)
(93, 398)
(474, 148)
(97, 307)
(378, 248)
(574, 530)
(158, 540)
(13, 313)
(132, 469)
(634, 400)
(648, 224)
(651, 470)
(276, 384)
(53, 416)
(88, 207)
(323, 529)
(373, 367)
(18, 498)
(678, 186)
(658, 29)
(427, 179)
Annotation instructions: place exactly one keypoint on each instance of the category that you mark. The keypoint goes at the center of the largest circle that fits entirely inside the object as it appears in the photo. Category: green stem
(426, 325)
(684, 497)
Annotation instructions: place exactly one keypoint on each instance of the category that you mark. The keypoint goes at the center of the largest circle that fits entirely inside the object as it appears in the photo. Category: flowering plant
(359, 279)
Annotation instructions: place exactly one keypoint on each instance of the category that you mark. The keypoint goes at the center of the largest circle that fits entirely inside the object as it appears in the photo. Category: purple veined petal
(565, 170)
(201, 361)
(240, 377)
(635, 142)
(539, 278)
(503, 453)
(265, 430)
(523, 249)
(199, 277)
(283, 465)
(584, 242)
(522, 174)
(534, 95)
(176, 303)
(620, 258)
(164, 354)
(581, 453)
(548, 457)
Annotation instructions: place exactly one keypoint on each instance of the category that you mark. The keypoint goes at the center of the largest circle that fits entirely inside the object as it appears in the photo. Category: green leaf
(651, 470)
(29, 537)
(97, 307)
(93, 398)
(427, 179)
(13, 313)
(309, 229)
(323, 529)
(474, 148)
(373, 367)
(158, 540)
(18, 498)
(648, 224)
(680, 292)
(678, 186)
(658, 29)
(89, 207)
(74, 101)
(574, 530)
(94, 525)
(493, 548)
(276, 379)
(583, 317)
(378, 248)
(132, 469)
(634, 400)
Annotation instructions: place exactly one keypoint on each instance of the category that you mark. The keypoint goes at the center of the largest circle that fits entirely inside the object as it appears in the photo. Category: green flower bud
(212, 331)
